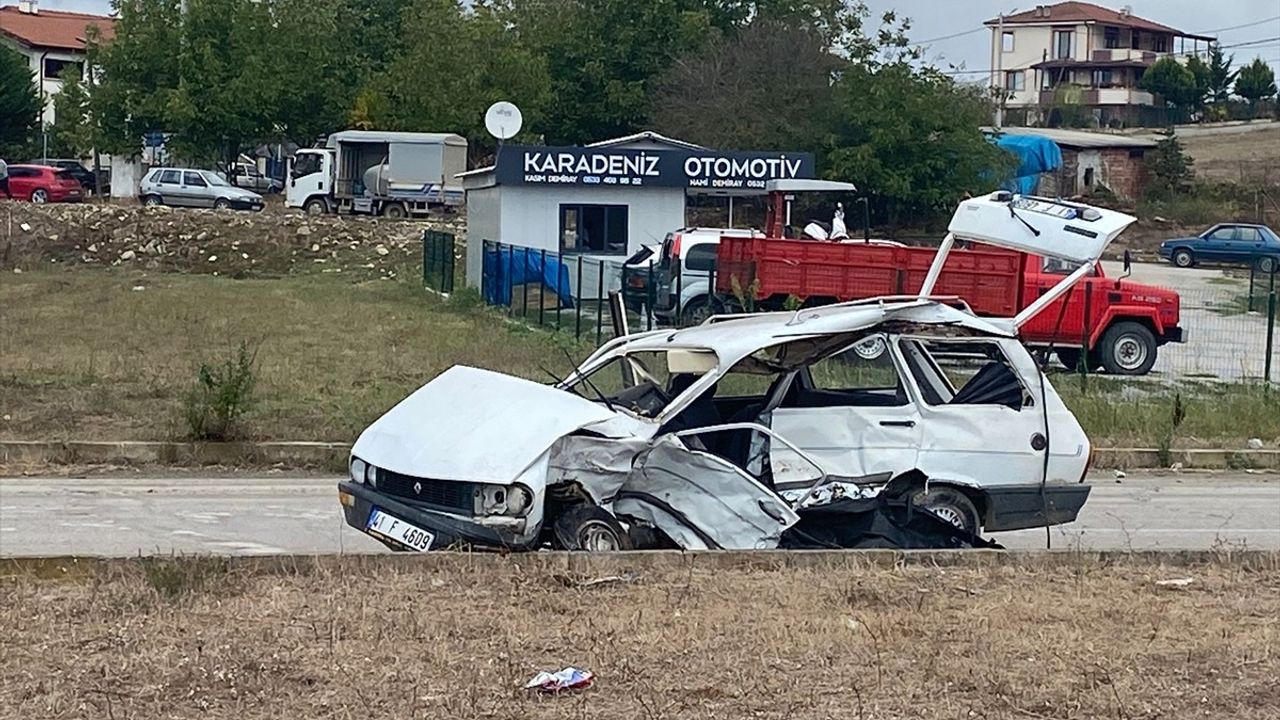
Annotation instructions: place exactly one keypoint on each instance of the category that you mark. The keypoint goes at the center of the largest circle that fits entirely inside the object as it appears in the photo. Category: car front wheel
(221, 204)
(1183, 258)
(589, 528)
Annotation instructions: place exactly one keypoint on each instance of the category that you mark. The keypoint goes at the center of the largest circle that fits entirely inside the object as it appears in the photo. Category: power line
(949, 37)
(1239, 27)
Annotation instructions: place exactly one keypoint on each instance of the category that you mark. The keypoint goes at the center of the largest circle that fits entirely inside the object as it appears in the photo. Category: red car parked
(42, 184)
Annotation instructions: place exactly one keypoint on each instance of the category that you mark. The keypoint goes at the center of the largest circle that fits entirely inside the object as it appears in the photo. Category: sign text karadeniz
(710, 169)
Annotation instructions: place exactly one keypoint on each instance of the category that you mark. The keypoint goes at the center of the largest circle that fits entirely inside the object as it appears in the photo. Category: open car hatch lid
(475, 425)
(1040, 226)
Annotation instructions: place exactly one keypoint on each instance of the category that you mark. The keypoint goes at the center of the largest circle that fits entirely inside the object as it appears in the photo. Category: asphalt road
(261, 516)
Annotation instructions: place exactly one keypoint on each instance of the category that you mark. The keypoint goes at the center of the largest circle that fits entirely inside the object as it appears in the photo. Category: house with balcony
(1081, 57)
(54, 43)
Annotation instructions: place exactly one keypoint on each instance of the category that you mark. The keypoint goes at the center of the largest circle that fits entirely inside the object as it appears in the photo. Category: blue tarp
(506, 266)
(1035, 155)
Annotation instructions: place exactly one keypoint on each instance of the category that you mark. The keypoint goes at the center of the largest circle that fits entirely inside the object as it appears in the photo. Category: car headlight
(513, 500)
(371, 475)
(358, 470)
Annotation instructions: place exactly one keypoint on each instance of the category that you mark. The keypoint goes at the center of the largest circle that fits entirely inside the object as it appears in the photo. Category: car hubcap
(597, 537)
(1130, 353)
(950, 514)
(38, 196)
(1184, 259)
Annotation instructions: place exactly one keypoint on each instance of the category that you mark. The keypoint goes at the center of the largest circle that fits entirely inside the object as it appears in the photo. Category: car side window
(701, 258)
(1250, 235)
(22, 172)
(1222, 234)
(194, 179)
(979, 369)
(169, 177)
(861, 376)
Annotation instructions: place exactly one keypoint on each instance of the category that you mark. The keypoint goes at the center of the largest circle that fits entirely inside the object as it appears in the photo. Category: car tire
(315, 206)
(696, 312)
(152, 200)
(395, 211)
(221, 204)
(952, 506)
(589, 528)
(39, 196)
(1183, 258)
(1267, 265)
(1128, 348)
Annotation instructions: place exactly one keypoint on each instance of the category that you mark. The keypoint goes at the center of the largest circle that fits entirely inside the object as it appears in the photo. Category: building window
(1006, 41)
(1111, 38)
(1161, 43)
(57, 68)
(1015, 80)
(1062, 42)
(1103, 79)
(593, 228)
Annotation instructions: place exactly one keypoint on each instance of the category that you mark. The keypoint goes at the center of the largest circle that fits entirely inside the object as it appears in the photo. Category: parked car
(685, 260)
(43, 184)
(775, 430)
(1236, 243)
(76, 169)
(194, 188)
(247, 176)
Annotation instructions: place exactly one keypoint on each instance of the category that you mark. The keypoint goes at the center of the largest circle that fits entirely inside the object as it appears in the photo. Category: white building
(1077, 53)
(53, 42)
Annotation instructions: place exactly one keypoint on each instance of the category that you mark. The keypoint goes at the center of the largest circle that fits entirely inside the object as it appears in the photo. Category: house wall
(47, 86)
(1120, 170)
(1030, 45)
(483, 223)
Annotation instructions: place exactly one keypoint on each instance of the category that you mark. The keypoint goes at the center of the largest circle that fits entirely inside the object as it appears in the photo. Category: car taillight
(675, 247)
(637, 281)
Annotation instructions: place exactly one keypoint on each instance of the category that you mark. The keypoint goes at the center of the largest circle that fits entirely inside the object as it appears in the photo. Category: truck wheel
(589, 528)
(696, 312)
(395, 211)
(951, 505)
(315, 206)
(1128, 348)
(1267, 265)
(1183, 258)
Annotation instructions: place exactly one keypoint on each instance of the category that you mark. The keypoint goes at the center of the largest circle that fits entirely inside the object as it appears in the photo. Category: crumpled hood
(474, 425)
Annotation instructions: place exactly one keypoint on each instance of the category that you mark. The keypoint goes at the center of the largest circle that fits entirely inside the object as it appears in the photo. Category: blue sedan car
(1227, 243)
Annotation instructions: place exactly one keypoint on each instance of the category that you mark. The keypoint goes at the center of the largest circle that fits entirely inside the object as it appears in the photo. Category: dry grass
(1073, 639)
(85, 355)
(1250, 156)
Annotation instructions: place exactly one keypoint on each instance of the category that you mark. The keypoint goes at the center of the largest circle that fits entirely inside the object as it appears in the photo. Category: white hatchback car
(195, 188)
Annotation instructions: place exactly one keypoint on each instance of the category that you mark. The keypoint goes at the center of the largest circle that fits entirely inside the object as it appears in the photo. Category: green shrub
(174, 577)
(222, 394)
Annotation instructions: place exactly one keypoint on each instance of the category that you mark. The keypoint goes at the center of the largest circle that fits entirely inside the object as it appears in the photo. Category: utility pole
(999, 80)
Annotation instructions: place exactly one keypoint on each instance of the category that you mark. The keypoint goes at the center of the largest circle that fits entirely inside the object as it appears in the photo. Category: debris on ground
(570, 678)
(573, 582)
(1255, 443)
(1176, 582)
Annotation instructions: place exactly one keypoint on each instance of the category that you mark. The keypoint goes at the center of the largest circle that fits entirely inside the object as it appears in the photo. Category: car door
(1249, 245)
(852, 413)
(196, 190)
(700, 500)
(980, 424)
(169, 185)
(1219, 244)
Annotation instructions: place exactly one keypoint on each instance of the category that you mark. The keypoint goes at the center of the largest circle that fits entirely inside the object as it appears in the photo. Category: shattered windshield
(644, 382)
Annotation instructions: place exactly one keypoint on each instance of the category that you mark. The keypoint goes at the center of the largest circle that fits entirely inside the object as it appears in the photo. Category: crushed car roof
(735, 337)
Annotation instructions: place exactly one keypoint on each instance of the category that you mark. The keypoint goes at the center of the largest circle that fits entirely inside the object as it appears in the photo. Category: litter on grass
(570, 678)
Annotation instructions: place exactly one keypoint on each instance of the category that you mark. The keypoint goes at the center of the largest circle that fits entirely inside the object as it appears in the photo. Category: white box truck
(396, 174)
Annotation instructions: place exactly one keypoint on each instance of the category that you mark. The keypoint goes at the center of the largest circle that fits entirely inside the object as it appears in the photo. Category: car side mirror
(1128, 264)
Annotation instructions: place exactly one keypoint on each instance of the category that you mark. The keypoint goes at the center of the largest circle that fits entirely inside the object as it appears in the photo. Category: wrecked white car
(853, 425)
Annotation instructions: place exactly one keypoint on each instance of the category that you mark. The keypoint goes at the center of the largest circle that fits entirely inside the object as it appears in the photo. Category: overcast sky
(970, 52)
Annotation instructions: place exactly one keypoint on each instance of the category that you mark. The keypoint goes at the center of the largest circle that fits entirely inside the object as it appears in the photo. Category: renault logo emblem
(417, 488)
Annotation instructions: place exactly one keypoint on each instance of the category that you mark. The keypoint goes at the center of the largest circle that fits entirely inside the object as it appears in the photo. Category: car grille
(457, 497)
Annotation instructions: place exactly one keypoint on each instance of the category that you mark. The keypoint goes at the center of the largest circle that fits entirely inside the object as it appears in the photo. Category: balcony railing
(1122, 54)
(1098, 96)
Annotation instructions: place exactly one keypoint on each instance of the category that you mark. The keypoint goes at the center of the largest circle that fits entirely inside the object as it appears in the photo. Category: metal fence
(438, 260)
(1226, 319)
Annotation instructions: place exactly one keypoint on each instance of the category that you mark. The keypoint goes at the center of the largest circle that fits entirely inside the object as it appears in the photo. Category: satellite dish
(503, 120)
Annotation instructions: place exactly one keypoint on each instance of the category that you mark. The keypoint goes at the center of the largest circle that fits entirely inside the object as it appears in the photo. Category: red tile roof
(1083, 12)
(53, 28)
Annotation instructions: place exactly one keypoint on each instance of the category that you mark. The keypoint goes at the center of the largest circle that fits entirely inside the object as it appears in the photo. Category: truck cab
(310, 182)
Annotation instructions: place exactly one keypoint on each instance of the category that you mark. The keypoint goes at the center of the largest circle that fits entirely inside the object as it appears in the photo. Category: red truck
(1121, 322)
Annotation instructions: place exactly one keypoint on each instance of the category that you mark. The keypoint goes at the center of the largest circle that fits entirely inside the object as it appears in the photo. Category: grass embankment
(1073, 639)
(84, 355)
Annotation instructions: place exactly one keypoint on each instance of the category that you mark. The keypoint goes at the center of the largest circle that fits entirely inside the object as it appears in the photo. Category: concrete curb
(598, 564)
(333, 456)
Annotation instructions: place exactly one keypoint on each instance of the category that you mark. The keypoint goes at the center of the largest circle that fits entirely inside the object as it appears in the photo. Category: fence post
(679, 291)
(559, 300)
(542, 276)
(1271, 331)
(577, 306)
(1252, 270)
(484, 276)
(650, 296)
(711, 290)
(426, 257)
(599, 301)
(448, 250)
(511, 261)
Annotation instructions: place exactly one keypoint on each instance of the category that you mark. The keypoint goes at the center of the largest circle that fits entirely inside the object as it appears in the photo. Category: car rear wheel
(221, 204)
(1267, 265)
(951, 505)
(152, 200)
(40, 196)
(589, 528)
(696, 312)
(1183, 258)
(1128, 348)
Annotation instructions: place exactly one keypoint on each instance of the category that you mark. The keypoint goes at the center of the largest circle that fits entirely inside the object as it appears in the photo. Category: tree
(1256, 82)
(1171, 167)
(911, 138)
(1220, 75)
(19, 103)
(71, 134)
(767, 87)
(1173, 82)
(1202, 78)
(455, 63)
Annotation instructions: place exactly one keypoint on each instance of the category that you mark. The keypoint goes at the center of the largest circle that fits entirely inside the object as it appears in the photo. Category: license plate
(402, 532)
